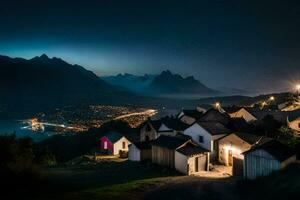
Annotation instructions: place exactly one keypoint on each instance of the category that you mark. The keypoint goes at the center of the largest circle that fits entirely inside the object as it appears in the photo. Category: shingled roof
(215, 116)
(214, 128)
(278, 150)
(191, 149)
(169, 142)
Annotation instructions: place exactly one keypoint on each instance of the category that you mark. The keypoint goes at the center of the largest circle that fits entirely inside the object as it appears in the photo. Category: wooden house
(263, 159)
(140, 151)
(233, 145)
(206, 135)
(152, 129)
(114, 142)
(179, 153)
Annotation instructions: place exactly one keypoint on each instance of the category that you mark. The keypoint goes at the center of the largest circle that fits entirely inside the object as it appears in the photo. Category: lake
(15, 126)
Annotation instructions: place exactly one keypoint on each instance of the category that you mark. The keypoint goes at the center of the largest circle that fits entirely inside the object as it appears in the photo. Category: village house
(263, 159)
(180, 153)
(233, 145)
(206, 134)
(152, 129)
(140, 151)
(189, 116)
(114, 143)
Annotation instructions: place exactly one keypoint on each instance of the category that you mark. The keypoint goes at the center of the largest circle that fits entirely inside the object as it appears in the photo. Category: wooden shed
(262, 160)
(163, 149)
(140, 151)
(191, 159)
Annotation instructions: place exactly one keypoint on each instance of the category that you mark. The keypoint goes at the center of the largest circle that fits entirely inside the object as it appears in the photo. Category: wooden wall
(259, 163)
(163, 156)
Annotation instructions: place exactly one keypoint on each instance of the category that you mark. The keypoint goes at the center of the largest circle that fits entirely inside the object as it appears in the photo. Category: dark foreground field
(122, 179)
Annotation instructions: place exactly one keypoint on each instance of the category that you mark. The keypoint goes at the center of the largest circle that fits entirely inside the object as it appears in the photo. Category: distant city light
(297, 87)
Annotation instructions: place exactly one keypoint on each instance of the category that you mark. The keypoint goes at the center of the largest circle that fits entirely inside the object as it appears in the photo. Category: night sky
(244, 44)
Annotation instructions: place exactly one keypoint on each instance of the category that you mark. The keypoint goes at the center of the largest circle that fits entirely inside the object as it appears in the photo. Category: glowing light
(217, 105)
(297, 87)
(272, 98)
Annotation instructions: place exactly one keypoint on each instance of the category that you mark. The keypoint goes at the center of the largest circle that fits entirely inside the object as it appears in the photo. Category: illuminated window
(105, 145)
(123, 145)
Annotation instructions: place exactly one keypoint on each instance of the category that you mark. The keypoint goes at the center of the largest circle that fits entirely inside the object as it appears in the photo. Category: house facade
(206, 135)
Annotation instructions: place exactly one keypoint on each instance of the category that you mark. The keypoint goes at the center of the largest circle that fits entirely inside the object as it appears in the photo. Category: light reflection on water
(16, 127)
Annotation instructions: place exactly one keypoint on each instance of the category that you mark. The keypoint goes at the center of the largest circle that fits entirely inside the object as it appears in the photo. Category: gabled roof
(171, 122)
(113, 136)
(143, 145)
(231, 109)
(169, 142)
(214, 128)
(292, 115)
(216, 116)
(190, 149)
(174, 123)
(193, 113)
(252, 139)
(278, 150)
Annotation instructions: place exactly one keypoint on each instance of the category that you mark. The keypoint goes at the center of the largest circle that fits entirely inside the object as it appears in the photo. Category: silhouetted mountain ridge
(43, 82)
(165, 83)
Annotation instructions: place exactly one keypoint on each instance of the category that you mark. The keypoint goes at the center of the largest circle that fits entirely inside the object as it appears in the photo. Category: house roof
(252, 139)
(231, 109)
(214, 128)
(113, 136)
(174, 123)
(191, 149)
(193, 113)
(171, 122)
(292, 115)
(278, 150)
(143, 145)
(170, 142)
(216, 116)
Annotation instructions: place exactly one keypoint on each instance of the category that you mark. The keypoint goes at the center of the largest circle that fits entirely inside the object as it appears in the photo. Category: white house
(206, 134)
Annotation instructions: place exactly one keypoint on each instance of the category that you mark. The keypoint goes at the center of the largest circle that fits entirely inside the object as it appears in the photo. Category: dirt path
(190, 187)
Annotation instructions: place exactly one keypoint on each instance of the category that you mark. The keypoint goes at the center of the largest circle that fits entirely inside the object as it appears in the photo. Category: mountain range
(165, 83)
(40, 83)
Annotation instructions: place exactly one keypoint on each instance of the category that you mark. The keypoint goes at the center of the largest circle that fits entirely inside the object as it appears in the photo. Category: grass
(127, 191)
(107, 179)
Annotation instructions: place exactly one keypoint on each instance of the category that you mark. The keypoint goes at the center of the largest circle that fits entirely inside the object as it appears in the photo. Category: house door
(196, 164)
(230, 158)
